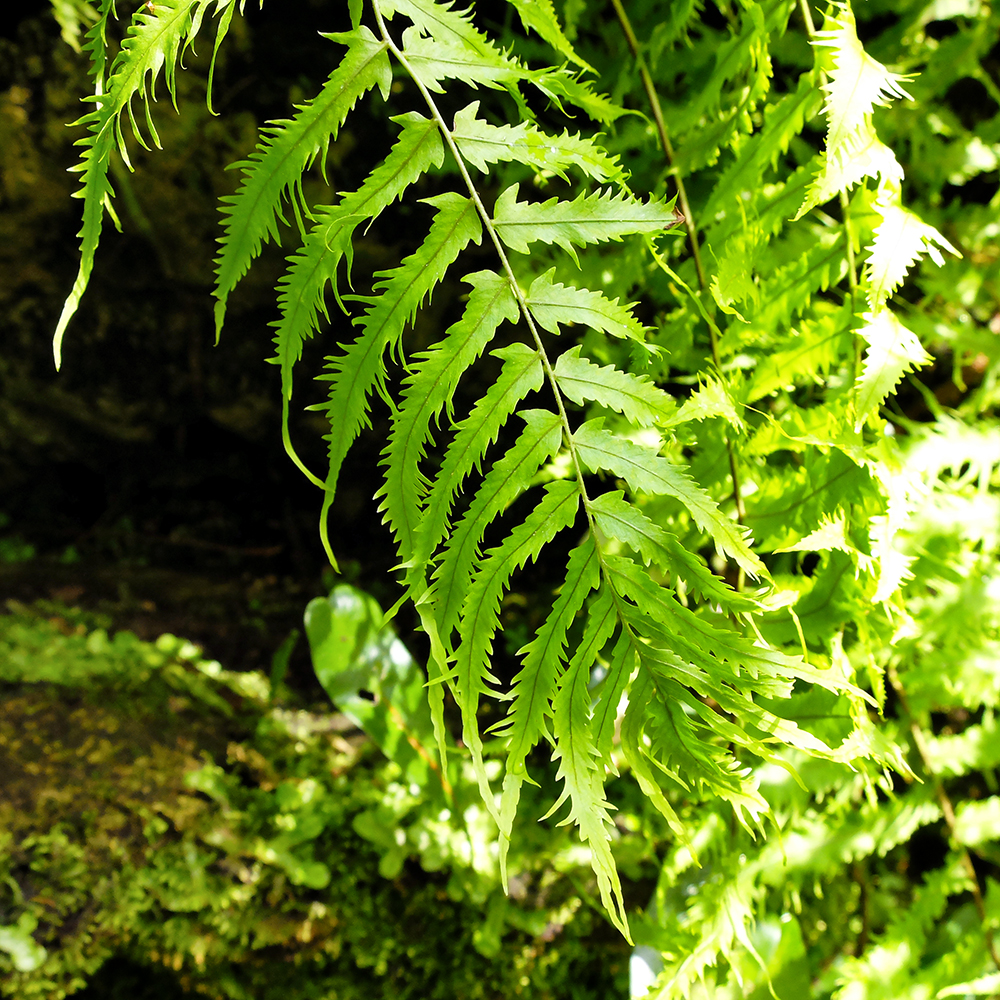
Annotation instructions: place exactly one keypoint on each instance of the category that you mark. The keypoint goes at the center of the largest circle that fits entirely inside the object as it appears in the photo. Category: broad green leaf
(354, 650)
(593, 218)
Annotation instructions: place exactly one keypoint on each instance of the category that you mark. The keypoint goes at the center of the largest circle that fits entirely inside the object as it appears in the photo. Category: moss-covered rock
(158, 808)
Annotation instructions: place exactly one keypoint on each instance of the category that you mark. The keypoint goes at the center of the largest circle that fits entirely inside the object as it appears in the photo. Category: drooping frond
(398, 295)
(535, 683)
(288, 148)
(579, 770)
(154, 41)
(330, 240)
(509, 477)
(647, 472)
(430, 389)
(481, 606)
(522, 373)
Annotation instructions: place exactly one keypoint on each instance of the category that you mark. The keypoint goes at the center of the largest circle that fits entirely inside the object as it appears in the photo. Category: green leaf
(857, 84)
(429, 389)
(26, 954)
(593, 218)
(900, 240)
(330, 240)
(647, 472)
(436, 59)
(398, 296)
(623, 521)
(481, 606)
(288, 148)
(552, 303)
(892, 352)
(634, 396)
(582, 777)
(483, 144)
(354, 650)
(535, 683)
(506, 480)
(522, 373)
(540, 16)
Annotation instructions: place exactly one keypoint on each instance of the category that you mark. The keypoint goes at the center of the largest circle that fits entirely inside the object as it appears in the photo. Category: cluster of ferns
(767, 252)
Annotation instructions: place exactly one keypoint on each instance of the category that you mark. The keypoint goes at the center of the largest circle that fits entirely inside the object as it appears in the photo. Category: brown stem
(947, 809)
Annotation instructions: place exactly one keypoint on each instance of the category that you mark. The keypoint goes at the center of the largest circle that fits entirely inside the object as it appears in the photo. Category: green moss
(160, 809)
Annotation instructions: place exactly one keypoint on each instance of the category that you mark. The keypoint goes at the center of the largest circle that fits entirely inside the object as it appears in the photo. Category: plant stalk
(689, 223)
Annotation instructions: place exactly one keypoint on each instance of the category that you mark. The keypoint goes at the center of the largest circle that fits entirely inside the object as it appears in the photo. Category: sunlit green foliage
(779, 593)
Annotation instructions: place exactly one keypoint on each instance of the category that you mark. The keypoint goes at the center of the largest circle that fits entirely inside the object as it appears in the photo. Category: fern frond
(506, 480)
(482, 144)
(857, 83)
(435, 60)
(634, 396)
(893, 350)
(330, 240)
(862, 154)
(429, 390)
(540, 16)
(522, 373)
(789, 290)
(901, 239)
(481, 607)
(624, 522)
(647, 472)
(641, 699)
(579, 768)
(782, 122)
(814, 346)
(396, 299)
(152, 45)
(552, 303)
(535, 683)
(287, 149)
(609, 696)
(593, 218)
(560, 85)
(441, 21)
